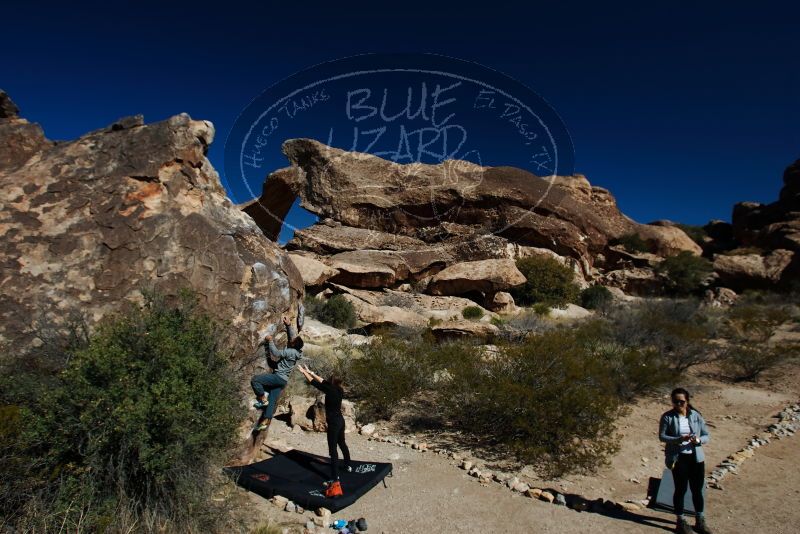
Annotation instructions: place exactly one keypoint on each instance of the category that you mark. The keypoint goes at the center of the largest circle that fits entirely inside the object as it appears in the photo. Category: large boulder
(438, 203)
(743, 271)
(668, 240)
(380, 315)
(89, 223)
(462, 329)
(639, 281)
(483, 276)
(313, 271)
(368, 268)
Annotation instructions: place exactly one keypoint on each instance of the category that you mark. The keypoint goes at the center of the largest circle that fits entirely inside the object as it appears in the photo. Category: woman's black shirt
(333, 397)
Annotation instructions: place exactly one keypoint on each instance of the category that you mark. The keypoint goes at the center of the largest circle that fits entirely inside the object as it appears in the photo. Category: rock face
(745, 271)
(483, 276)
(772, 226)
(90, 223)
(448, 229)
(436, 203)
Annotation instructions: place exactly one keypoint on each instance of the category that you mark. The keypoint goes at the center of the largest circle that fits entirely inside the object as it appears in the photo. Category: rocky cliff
(385, 224)
(90, 223)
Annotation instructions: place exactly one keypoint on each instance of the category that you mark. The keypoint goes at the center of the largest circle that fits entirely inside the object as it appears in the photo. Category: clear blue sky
(680, 111)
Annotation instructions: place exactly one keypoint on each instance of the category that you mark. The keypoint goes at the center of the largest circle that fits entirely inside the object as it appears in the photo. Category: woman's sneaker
(701, 527)
(682, 527)
(260, 427)
(260, 405)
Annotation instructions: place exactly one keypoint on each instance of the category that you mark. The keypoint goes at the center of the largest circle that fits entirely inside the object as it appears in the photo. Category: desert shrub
(696, 233)
(677, 329)
(541, 309)
(596, 298)
(685, 272)
(337, 312)
(748, 330)
(547, 399)
(134, 424)
(635, 369)
(748, 360)
(547, 282)
(497, 321)
(388, 371)
(472, 312)
(632, 243)
(433, 321)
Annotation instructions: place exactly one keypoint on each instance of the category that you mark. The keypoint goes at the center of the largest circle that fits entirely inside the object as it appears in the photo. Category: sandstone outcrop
(482, 276)
(91, 223)
(435, 204)
(772, 226)
(743, 271)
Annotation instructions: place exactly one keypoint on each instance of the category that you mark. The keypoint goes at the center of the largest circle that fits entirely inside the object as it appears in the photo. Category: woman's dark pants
(688, 473)
(336, 437)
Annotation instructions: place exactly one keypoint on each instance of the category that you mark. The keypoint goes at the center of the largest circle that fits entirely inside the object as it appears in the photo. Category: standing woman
(684, 431)
(333, 414)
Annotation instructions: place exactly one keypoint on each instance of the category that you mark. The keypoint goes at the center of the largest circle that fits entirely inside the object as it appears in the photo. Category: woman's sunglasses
(679, 402)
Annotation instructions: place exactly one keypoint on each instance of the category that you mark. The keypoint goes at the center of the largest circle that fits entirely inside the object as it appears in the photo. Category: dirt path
(429, 493)
(765, 496)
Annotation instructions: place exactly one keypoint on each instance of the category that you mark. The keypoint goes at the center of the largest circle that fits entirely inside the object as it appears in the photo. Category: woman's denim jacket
(669, 432)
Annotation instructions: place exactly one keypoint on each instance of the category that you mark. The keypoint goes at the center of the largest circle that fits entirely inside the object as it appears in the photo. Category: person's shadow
(615, 512)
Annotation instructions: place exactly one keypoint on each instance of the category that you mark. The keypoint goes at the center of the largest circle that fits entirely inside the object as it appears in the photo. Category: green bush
(747, 361)
(472, 312)
(337, 312)
(384, 373)
(548, 400)
(632, 243)
(136, 422)
(541, 309)
(596, 298)
(679, 330)
(685, 271)
(547, 282)
(748, 330)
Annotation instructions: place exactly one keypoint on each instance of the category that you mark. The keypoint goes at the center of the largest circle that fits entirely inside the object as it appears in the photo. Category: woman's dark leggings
(688, 472)
(336, 437)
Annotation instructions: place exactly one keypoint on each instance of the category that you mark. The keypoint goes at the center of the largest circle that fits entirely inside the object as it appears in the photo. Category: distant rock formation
(760, 248)
(88, 224)
(384, 224)
(772, 226)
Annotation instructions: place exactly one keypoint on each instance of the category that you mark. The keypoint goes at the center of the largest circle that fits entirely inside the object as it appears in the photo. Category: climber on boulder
(268, 386)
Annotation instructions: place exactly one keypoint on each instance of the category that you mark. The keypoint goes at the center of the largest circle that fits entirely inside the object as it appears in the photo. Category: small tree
(337, 312)
(547, 282)
(596, 298)
(472, 312)
(685, 271)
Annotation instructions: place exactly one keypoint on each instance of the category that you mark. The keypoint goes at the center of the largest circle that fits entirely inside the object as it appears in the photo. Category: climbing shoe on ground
(334, 489)
(701, 527)
(262, 426)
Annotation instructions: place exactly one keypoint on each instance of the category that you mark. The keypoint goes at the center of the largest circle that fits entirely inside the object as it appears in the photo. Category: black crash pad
(299, 475)
(661, 492)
